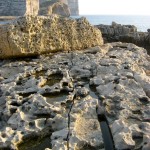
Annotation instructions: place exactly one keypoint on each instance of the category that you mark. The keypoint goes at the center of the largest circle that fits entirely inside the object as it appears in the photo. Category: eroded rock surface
(125, 33)
(57, 96)
(34, 35)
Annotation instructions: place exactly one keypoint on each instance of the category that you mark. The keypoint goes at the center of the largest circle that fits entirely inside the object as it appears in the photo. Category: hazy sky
(119, 7)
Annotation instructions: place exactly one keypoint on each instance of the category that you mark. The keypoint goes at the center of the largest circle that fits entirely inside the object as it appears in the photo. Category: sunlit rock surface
(57, 95)
(34, 35)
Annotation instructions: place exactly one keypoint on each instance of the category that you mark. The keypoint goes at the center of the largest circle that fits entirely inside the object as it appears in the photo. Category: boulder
(35, 35)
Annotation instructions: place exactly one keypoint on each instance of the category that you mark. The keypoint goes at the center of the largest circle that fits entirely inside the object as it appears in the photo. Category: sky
(114, 7)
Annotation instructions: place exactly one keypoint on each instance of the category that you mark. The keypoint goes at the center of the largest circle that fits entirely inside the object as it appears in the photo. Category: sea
(141, 22)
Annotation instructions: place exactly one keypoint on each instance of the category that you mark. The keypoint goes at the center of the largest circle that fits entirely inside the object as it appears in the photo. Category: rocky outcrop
(54, 7)
(34, 35)
(19, 7)
(57, 96)
(125, 33)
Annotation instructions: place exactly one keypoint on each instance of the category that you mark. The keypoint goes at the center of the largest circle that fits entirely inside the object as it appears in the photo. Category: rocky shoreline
(30, 105)
(73, 99)
(125, 33)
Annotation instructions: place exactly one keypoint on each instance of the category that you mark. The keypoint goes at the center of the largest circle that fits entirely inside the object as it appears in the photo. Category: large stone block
(35, 35)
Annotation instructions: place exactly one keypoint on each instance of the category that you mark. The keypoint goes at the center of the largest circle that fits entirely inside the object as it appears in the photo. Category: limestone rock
(125, 33)
(122, 135)
(29, 35)
(57, 96)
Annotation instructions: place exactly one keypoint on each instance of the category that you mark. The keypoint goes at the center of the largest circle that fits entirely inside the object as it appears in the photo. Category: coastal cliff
(74, 7)
(33, 7)
(54, 7)
(18, 7)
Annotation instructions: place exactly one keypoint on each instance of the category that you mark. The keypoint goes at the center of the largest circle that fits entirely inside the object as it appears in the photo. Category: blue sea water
(141, 22)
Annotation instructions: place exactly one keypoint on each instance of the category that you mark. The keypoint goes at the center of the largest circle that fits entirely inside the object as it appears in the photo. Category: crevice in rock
(69, 132)
(71, 106)
(106, 132)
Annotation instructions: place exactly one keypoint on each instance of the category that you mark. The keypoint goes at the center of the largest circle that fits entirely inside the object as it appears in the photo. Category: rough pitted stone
(35, 103)
(34, 35)
(125, 33)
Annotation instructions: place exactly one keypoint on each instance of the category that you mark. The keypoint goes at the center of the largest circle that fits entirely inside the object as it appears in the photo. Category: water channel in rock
(106, 133)
(57, 97)
(36, 144)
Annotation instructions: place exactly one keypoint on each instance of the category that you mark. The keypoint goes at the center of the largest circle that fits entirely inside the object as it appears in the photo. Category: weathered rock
(29, 35)
(125, 33)
(51, 96)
